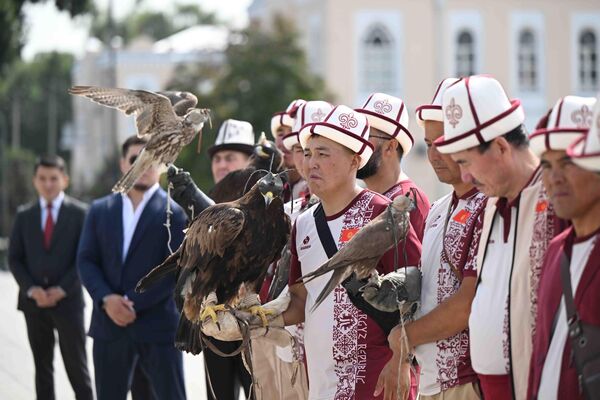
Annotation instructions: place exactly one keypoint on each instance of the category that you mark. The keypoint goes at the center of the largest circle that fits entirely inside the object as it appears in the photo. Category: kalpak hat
(476, 110)
(345, 126)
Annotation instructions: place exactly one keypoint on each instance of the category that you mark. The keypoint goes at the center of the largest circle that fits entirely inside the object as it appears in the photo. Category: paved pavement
(16, 361)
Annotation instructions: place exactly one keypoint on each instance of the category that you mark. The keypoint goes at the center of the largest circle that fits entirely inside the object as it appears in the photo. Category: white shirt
(131, 217)
(339, 340)
(444, 363)
(56, 203)
(488, 322)
(552, 365)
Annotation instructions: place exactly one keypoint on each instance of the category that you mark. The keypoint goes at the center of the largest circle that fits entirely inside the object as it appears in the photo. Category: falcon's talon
(211, 312)
(262, 313)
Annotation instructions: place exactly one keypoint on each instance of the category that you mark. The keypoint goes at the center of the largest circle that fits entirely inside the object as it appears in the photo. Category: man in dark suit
(123, 238)
(42, 252)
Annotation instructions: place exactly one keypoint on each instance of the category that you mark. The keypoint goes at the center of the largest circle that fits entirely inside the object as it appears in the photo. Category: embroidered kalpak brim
(558, 139)
(358, 144)
(582, 155)
(390, 127)
(484, 132)
(290, 140)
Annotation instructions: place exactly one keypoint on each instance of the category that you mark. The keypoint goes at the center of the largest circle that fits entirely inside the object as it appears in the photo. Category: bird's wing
(372, 241)
(213, 231)
(360, 255)
(168, 267)
(151, 109)
(181, 101)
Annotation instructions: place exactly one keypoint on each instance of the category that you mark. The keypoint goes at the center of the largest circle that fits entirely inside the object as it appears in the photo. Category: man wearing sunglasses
(388, 119)
(122, 240)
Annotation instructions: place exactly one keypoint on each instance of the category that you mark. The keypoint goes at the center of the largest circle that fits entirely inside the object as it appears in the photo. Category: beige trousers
(468, 391)
(274, 376)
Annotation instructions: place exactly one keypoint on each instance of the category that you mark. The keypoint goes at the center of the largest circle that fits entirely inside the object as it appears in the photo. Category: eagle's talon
(262, 313)
(210, 311)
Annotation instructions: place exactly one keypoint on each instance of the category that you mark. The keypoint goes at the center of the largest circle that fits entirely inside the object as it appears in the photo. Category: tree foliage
(155, 24)
(35, 85)
(11, 21)
(263, 72)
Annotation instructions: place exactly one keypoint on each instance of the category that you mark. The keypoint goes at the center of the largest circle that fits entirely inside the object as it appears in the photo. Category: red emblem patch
(541, 206)
(348, 234)
(462, 217)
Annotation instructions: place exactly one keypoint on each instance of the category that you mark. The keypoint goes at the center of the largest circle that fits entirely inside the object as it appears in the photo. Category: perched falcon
(361, 254)
(266, 158)
(167, 133)
(226, 246)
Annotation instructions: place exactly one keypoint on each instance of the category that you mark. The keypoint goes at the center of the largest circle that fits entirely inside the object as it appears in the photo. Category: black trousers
(41, 324)
(226, 373)
(141, 387)
(115, 362)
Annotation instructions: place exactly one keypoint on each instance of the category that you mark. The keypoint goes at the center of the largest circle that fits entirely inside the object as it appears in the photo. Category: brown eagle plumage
(226, 246)
(156, 120)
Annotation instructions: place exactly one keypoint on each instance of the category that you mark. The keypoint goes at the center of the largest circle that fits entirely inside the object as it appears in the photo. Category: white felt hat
(389, 115)
(285, 118)
(585, 151)
(433, 111)
(234, 135)
(569, 119)
(312, 111)
(476, 110)
(345, 126)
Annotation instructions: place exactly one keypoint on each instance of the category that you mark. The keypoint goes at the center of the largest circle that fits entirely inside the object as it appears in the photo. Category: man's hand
(395, 340)
(41, 298)
(186, 193)
(119, 309)
(394, 380)
(55, 294)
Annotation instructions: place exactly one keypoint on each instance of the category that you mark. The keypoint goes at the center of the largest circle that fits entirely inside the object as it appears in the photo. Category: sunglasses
(381, 137)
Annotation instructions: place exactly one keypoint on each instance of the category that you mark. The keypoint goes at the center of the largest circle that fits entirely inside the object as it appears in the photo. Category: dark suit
(34, 265)
(149, 339)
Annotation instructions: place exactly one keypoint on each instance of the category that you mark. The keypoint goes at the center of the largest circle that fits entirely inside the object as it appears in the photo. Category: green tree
(39, 89)
(262, 73)
(155, 24)
(11, 21)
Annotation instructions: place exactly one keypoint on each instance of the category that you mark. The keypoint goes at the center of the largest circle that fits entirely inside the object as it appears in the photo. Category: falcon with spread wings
(156, 119)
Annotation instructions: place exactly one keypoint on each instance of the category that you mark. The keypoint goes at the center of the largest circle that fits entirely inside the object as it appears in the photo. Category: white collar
(147, 194)
(56, 202)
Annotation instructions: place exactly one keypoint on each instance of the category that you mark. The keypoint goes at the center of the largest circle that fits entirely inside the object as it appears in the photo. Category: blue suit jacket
(99, 260)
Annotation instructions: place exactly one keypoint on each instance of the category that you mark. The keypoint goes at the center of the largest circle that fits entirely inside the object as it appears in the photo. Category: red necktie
(49, 227)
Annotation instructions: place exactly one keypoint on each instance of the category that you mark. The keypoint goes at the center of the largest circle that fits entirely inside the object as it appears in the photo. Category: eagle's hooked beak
(268, 198)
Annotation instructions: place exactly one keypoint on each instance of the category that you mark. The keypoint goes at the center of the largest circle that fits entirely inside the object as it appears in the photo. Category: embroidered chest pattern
(350, 324)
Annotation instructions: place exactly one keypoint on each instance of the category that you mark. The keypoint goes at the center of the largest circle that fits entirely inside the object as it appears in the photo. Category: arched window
(588, 61)
(465, 54)
(528, 61)
(378, 68)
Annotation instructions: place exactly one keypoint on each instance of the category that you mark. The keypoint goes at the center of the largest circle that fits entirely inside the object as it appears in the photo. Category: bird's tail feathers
(339, 275)
(141, 164)
(330, 265)
(168, 267)
(187, 337)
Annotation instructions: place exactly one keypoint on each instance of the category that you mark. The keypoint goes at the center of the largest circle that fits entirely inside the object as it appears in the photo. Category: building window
(528, 61)
(588, 61)
(465, 54)
(378, 70)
